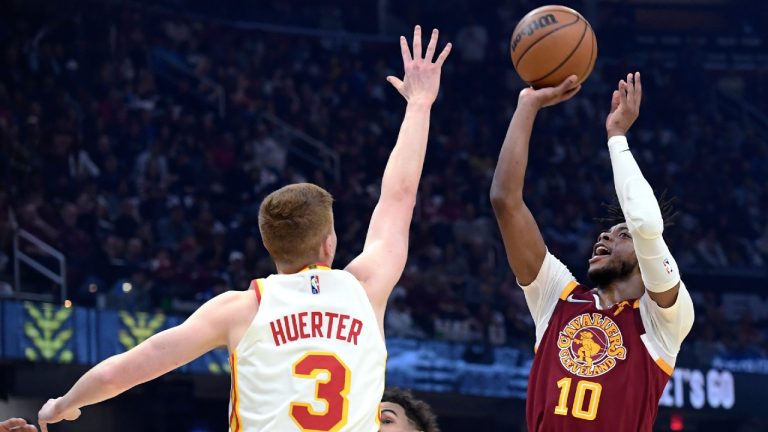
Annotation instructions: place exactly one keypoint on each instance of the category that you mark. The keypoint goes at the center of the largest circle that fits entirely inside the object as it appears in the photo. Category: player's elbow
(404, 195)
(502, 199)
(642, 209)
(651, 228)
(108, 375)
(647, 222)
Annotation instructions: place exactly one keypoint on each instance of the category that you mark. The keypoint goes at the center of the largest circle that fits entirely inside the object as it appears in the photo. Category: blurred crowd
(153, 194)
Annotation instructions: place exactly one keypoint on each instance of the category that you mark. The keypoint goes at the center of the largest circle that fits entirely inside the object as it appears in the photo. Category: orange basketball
(552, 42)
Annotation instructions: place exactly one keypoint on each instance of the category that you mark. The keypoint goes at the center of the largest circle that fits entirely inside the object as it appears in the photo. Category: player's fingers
(417, 43)
(567, 84)
(631, 89)
(395, 81)
(404, 50)
(13, 422)
(43, 427)
(444, 54)
(638, 89)
(615, 100)
(622, 92)
(432, 46)
(571, 92)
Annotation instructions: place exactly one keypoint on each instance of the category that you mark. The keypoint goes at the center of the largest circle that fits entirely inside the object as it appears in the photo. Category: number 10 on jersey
(579, 399)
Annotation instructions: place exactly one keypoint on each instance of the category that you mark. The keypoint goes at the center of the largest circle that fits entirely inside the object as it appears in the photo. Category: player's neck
(296, 268)
(620, 290)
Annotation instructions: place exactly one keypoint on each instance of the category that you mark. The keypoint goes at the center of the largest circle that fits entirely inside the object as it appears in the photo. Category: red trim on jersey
(256, 287)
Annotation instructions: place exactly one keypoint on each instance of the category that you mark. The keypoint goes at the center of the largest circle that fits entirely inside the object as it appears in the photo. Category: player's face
(613, 256)
(393, 419)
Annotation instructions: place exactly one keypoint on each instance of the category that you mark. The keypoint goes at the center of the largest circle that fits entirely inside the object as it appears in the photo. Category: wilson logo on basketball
(590, 345)
(544, 21)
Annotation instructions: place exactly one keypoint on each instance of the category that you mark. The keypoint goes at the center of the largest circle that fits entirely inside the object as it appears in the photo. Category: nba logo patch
(314, 283)
(668, 266)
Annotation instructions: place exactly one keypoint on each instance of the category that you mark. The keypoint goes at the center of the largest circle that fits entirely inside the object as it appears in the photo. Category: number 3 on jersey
(332, 389)
(578, 410)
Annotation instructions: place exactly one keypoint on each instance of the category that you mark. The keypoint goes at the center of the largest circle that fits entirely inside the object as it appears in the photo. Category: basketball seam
(590, 64)
(568, 57)
(542, 37)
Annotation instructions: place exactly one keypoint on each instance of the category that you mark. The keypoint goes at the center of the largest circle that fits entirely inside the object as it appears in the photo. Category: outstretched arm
(382, 261)
(206, 329)
(522, 239)
(638, 203)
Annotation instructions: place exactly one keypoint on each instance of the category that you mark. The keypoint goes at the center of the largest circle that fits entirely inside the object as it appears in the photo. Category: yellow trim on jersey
(664, 366)
(636, 304)
(568, 289)
(383, 378)
(235, 423)
(260, 287)
(314, 267)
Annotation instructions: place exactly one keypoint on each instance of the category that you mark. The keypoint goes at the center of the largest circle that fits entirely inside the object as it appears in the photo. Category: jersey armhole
(569, 287)
(257, 285)
(568, 290)
(660, 362)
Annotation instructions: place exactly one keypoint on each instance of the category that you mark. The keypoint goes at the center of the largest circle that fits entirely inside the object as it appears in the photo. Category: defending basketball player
(401, 412)
(306, 344)
(603, 355)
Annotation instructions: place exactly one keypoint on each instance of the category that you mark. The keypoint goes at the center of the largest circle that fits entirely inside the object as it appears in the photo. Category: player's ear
(328, 246)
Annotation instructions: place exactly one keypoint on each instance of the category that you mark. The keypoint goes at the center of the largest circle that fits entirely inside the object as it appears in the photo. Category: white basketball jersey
(313, 358)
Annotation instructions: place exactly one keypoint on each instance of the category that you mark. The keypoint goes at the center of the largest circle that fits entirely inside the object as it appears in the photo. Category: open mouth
(599, 252)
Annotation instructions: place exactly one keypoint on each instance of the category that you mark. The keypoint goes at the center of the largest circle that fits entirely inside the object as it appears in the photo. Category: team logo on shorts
(590, 345)
(314, 284)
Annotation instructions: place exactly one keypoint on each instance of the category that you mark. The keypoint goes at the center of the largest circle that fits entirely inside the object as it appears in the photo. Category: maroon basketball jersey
(593, 370)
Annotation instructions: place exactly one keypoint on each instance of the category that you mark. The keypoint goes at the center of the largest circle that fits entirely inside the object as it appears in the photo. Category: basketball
(552, 42)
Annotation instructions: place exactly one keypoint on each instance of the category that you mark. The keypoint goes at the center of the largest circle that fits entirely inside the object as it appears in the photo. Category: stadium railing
(57, 275)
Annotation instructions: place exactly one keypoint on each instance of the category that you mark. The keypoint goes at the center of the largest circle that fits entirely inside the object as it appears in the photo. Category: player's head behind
(296, 225)
(401, 412)
(613, 255)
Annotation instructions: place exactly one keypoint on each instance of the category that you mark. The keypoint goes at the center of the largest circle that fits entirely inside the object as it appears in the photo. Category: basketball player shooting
(306, 344)
(603, 355)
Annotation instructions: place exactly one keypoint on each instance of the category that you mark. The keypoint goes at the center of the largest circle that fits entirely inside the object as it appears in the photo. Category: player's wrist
(420, 103)
(616, 132)
(63, 403)
(529, 102)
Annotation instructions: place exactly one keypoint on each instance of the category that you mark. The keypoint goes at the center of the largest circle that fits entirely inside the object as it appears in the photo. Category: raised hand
(549, 96)
(625, 105)
(422, 75)
(52, 412)
(16, 425)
